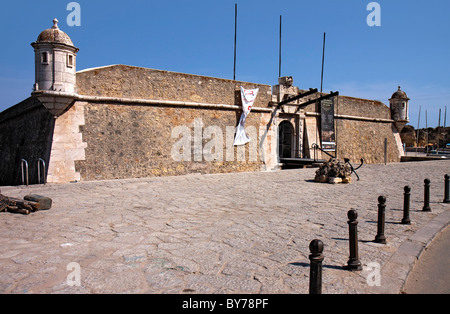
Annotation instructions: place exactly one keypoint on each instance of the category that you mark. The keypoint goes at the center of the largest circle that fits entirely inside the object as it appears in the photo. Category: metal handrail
(315, 146)
(41, 162)
(24, 175)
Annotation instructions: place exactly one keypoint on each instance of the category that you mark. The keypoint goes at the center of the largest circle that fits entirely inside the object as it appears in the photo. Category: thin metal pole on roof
(426, 128)
(279, 51)
(418, 126)
(235, 38)
(444, 143)
(439, 131)
(445, 116)
(439, 124)
(323, 62)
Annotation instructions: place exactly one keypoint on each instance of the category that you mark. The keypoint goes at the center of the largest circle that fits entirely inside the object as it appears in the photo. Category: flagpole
(279, 51)
(323, 62)
(426, 128)
(235, 38)
(439, 129)
(439, 124)
(445, 116)
(418, 130)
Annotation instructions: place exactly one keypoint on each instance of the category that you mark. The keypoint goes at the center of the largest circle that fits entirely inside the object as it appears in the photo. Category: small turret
(399, 104)
(55, 68)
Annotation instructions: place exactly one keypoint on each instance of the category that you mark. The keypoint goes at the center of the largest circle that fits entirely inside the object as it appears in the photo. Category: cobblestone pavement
(226, 233)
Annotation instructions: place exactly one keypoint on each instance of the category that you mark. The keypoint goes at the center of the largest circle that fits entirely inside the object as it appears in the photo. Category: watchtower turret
(399, 104)
(55, 69)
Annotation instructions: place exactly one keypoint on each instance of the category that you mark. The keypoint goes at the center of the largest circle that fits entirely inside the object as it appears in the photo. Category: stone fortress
(118, 121)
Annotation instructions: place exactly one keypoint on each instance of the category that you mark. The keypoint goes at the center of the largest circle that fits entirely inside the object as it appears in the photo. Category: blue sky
(411, 48)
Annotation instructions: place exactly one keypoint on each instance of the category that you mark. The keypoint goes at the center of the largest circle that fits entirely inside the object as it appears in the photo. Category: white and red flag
(248, 98)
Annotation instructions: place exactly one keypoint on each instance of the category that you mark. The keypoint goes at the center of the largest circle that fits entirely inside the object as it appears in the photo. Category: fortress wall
(356, 138)
(128, 140)
(131, 141)
(364, 138)
(113, 132)
(361, 127)
(140, 83)
(362, 108)
(25, 133)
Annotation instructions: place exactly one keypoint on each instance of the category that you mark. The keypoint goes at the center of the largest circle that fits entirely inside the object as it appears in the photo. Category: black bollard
(380, 238)
(406, 202)
(315, 273)
(426, 206)
(447, 189)
(353, 262)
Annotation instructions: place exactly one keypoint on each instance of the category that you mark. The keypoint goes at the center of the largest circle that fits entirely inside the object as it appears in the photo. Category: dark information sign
(328, 133)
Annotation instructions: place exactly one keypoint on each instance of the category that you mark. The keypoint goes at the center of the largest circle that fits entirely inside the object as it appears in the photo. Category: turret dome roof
(399, 94)
(54, 35)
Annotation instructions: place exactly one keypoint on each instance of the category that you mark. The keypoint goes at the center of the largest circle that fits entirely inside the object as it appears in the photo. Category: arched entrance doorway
(285, 134)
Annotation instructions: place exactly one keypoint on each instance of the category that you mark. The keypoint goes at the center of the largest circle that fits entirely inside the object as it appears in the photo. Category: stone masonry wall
(364, 139)
(358, 139)
(68, 146)
(141, 83)
(361, 126)
(25, 133)
(362, 108)
(130, 141)
(107, 138)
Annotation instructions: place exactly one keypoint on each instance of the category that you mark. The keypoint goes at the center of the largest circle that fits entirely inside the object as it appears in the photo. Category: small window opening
(69, 61)
(44, 58)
